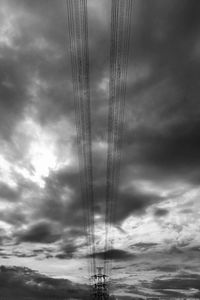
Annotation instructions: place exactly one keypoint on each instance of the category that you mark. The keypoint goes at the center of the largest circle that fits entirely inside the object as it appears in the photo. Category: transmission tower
(100, 285)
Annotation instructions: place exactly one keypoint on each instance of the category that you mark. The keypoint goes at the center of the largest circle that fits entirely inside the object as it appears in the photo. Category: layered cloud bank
(23, 283)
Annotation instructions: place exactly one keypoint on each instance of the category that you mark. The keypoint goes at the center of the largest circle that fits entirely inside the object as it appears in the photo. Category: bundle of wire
(78, 42)
(119, 48)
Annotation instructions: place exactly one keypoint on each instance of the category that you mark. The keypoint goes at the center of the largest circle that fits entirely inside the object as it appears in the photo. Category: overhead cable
(121, 11)
(79, 53)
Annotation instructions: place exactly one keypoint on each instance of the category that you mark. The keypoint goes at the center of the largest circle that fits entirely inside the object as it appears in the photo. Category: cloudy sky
(157, 243)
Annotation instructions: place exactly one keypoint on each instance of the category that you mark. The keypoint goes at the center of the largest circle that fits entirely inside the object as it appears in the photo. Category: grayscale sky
(157, 229)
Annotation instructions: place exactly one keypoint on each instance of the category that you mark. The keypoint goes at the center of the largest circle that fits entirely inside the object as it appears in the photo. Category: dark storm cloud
(179, 282)
(40, 232)
(172, 154)
(117, 268)
(115, 254)
(186, 211)
(66, 255)
(45, 252)
(134, 202)
(43, 46)
(163, 39)
(167, 268)
(160, 212)
(62, 201)
(8, 193)
(19, 283)
(71, 212)
(177, 151)
(195, 248)
(13, 216)
(68, 248)
(165, 109)
(13, 81)
(36, 62)
(178, 286)
(174, 250)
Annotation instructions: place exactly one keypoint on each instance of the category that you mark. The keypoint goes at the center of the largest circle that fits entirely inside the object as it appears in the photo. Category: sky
(156, 234)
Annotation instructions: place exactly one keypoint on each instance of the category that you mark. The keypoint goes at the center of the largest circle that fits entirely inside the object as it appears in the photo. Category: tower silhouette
(100, 285)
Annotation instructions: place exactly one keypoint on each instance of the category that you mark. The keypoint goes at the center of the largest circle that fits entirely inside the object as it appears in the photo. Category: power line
(78, 40)
(79, 53)
(120, 39)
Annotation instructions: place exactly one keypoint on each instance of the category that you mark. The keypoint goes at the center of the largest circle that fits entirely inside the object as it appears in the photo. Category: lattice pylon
(100, 286)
